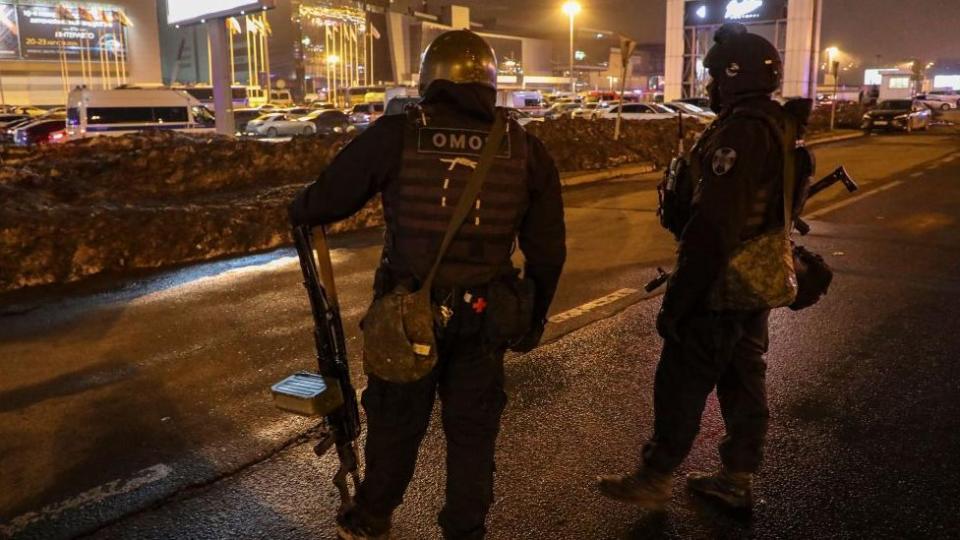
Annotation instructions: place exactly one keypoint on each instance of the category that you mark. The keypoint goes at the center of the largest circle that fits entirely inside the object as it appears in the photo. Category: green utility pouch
(399, 338)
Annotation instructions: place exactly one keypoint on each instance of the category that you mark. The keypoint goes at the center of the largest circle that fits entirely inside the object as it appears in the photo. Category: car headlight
(337, 129)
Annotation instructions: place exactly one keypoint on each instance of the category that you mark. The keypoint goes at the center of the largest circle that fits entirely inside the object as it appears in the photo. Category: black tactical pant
(469, 379)
(717, 350)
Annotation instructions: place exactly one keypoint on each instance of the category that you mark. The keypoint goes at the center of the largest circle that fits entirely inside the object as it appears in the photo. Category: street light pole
(834, 66)
(571, 9)
(573, 80)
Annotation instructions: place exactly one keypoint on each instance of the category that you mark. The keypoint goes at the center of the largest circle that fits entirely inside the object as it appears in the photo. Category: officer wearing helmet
(736, 169)
(418, 163)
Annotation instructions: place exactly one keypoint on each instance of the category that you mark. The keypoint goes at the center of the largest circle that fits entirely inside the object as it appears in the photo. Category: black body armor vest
(439, 156)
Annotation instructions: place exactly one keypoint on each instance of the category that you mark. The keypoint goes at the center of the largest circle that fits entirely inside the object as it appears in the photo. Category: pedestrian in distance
(732, 269)
(461, 185)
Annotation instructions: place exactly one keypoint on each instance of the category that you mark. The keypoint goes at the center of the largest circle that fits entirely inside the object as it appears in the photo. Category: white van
(92, 113)
(281, 97)
(526, 100)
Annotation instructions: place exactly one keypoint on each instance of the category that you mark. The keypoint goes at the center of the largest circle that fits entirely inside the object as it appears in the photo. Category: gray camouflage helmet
(458, 56)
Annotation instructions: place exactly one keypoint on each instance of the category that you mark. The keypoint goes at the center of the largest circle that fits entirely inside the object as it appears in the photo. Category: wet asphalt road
(117, 402)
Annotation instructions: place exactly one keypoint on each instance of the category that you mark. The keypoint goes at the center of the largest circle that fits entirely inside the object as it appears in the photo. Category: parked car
(7, 130)
(322, 105)
(363, 114)
(398, 105)
(587, 110)
(561, 109)
(39, 131)
(242, 116)
(702, 102)
(523, 117)
(690, 109)
(935, 104)
(10, 118)
(297, 111)
(899, 114)
(279, 124)
(640, 111)
(328, 121)
(949, 96)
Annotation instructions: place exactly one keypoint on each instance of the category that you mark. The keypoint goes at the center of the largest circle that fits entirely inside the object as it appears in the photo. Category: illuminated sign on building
(716, 12)
(743, 9)
(9, 32)
(45, 30)
(194, 11)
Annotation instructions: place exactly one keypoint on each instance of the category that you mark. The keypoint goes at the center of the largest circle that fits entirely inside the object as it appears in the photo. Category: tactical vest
(439, 156)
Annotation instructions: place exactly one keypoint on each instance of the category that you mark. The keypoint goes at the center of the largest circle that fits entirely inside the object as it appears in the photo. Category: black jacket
(738, 159)
(371, 161)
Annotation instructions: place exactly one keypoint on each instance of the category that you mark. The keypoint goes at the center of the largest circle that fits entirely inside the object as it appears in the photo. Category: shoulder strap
(470, 192)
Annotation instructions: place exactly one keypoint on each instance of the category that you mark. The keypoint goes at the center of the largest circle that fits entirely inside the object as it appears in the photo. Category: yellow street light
(832, 52)
(572, 8)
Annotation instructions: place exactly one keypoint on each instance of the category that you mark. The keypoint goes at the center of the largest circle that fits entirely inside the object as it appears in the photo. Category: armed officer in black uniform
(419, 163)
(736, 176)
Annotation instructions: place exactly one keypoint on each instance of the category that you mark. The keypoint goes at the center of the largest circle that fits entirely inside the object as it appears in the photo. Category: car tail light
(57, 137)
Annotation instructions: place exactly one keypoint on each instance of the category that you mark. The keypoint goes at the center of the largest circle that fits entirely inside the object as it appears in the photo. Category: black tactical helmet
(459, 56)
(742, 63)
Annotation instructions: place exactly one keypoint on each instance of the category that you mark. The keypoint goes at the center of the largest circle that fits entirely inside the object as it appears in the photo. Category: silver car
(279, 125)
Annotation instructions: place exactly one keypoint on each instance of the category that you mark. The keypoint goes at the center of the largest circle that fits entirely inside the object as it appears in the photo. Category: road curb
(599, 175)
(836, 138)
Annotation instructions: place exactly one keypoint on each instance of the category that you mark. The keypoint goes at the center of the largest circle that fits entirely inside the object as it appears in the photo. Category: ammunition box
(308, 394)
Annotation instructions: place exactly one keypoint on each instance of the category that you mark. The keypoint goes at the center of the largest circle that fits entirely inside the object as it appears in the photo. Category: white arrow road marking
(590, 306)
(96, 495)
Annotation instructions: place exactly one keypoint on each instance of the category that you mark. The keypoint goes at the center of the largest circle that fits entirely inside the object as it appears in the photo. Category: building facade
(792, 25)
(47, 48)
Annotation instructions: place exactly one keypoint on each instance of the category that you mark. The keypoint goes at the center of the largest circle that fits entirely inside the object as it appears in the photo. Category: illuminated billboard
(9, 31)
(46, 30)
(194, 11)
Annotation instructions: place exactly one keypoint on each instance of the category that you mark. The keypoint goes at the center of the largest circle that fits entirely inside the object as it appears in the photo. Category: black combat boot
(733, 490)
(645, 488)
(351, 525)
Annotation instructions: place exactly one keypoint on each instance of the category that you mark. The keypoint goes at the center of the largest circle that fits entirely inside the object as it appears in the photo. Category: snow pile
(112, 204)
(149, 200)
(580, 144)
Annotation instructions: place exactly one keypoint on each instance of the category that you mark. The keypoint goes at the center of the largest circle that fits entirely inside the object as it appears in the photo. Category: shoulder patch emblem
(723, 160)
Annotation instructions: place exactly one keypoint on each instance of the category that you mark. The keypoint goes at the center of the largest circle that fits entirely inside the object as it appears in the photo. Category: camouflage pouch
(760, 275)
(399, 342)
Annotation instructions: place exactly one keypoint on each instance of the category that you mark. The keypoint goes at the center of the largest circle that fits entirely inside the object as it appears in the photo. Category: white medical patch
(723, 160)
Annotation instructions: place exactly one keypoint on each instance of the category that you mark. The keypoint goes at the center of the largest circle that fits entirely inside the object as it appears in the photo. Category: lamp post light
(834, 65)
(572, 8)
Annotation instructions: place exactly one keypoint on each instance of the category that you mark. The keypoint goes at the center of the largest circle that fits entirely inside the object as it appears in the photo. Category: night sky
(895, 29)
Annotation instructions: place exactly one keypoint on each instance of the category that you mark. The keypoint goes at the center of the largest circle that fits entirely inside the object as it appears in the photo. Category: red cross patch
(480, 306)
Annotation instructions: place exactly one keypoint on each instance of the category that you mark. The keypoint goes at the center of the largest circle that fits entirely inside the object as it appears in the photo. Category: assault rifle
(838, 175)
(330, 392)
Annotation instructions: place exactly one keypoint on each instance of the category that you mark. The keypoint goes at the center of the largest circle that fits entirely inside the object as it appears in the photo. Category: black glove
(530, 341)
(668, 325)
